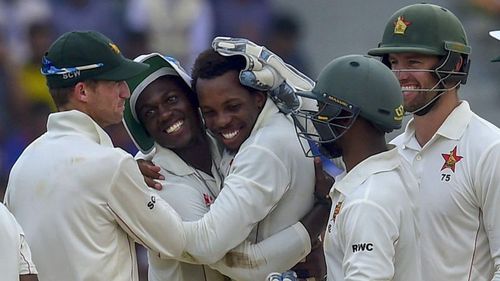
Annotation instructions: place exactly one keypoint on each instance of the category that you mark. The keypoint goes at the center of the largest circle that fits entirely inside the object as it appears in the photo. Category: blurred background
(306, 34)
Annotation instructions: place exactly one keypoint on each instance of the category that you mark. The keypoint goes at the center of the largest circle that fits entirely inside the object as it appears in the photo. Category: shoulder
(277, 134)
(388, 190)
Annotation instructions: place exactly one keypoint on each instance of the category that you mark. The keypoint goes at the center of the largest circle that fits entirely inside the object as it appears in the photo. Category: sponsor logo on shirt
(151, 203)
(362, 247)
(208, 199)
(451, 159)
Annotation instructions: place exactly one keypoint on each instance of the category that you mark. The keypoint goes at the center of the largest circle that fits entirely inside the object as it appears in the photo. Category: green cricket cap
(82, 55)
(159, 66)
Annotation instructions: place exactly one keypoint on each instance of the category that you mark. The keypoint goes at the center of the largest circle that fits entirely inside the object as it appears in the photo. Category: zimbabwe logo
(114, 48)
(451, 159)
(400, 25)
(336, 211)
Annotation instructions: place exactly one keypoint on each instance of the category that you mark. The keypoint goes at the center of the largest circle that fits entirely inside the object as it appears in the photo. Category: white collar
(77, 122)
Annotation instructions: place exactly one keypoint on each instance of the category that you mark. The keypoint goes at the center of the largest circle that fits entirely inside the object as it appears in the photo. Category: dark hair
(210, 64)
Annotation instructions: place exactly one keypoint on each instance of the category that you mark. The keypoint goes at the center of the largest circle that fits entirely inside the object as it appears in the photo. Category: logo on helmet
(400, 25)
(114, 48)
(399, 113)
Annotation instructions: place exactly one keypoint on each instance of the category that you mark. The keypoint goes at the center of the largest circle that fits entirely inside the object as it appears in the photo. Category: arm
(277, 253)
(488, 184)
(364, 223)
(284, 249)
(149, 170)
(143, 214)
(250, 192)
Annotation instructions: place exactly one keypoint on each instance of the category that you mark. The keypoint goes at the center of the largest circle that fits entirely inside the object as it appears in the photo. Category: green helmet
(350, 86)
(427, 29)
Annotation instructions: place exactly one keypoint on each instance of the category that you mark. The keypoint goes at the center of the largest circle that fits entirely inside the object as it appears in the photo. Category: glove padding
(267, 72)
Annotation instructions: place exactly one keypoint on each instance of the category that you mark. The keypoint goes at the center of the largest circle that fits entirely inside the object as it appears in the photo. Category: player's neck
(197, 154)
(357, 147)
(427, 125)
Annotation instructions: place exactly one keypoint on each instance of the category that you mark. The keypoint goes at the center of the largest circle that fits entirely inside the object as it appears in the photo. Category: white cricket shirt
(191, 192)
(269, 188)
(459, 175)
(83, 204)
(15, 255)
(372, 231)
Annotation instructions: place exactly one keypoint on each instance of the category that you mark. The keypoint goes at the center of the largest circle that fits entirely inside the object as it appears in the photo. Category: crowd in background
(177, 28)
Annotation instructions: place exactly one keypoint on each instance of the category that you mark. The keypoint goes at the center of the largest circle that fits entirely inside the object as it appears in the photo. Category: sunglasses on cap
(48, 68)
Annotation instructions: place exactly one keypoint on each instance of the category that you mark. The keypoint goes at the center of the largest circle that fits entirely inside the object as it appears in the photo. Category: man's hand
(324, 182)
(314, 266)
(151, 173)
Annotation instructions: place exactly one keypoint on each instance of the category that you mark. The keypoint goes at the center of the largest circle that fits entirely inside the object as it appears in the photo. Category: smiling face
(414, 100)
(167, 114)
(229, 109)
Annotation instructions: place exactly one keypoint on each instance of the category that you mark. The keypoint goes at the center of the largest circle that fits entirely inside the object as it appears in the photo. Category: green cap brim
(497, 59)
(125, 70)
(159, 66)
(381, 51)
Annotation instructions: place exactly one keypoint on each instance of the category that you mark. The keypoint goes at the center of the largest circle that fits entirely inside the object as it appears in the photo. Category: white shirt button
(419, 157)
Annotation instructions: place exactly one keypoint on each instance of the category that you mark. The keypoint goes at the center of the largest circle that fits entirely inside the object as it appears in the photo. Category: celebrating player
(81, 202)
(372, 232)
(162, 116)
(453, 152)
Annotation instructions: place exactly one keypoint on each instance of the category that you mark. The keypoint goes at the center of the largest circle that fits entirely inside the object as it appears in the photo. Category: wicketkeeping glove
(267, 72)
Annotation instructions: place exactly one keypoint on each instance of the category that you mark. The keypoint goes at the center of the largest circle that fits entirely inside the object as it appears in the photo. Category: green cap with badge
(82, 55)
(160, 65)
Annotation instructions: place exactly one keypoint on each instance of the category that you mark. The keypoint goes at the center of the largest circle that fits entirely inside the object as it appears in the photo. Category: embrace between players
(239, 195)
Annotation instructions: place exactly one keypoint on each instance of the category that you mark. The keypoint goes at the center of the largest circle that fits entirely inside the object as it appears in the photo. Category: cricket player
(15, 254)
(372, 231)
(83, 203)
(453, 152)
(161, 116)
(268, 183)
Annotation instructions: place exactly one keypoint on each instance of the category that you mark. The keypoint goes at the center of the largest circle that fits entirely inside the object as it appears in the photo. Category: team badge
(400, 25)
(208, 199)
(451, 159)
(399, 112)
(114, 48)
(336, 211)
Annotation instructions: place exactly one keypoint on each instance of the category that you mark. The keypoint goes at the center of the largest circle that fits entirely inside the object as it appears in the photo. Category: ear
(260, 99)
(80, 92)
(459, 64)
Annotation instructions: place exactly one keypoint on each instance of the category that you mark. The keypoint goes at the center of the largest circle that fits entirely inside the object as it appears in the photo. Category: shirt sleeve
(367, 235)
(488, 186)
(145, 216)
(26, 265)
(277, 253)
(257, 182)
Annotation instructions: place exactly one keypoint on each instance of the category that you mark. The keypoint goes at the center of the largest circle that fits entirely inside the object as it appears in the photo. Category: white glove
(265, 71)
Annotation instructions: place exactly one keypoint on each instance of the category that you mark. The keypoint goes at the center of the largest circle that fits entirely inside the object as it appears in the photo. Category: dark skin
(354, 144)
